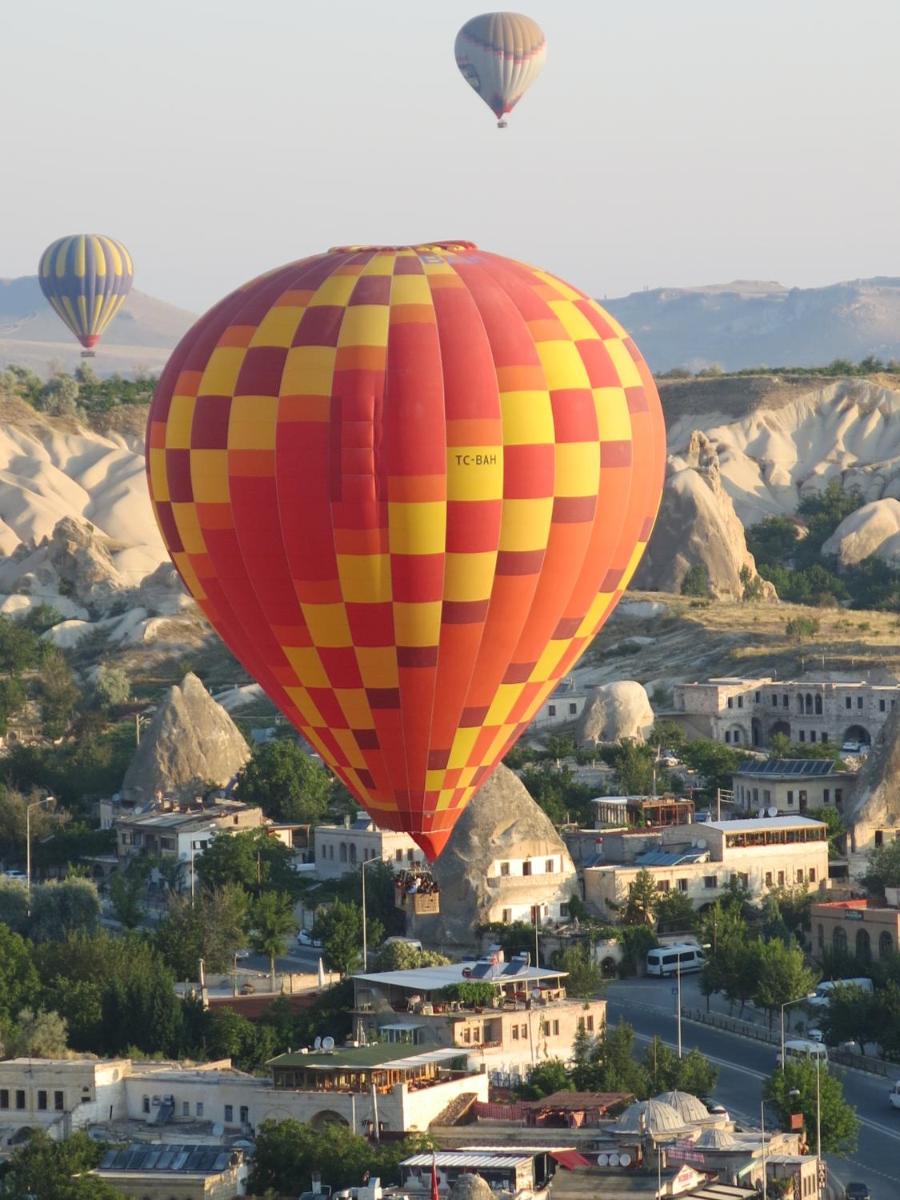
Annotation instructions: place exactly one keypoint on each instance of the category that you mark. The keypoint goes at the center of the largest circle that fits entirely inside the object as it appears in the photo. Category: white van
(822, 995)
(894, 1095)
(670, 960)
(802, 1048)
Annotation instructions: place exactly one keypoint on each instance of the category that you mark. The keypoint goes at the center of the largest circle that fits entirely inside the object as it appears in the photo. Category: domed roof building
(650, 1116)
(716, 1139)
(471, 1187)
(687, 1106)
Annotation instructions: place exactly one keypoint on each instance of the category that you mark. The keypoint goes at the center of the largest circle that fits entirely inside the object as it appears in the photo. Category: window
(563, 911)
(839, 796)
(663, 885)
(821, 936)
(410, 855)
(885, 949)
(859, 701)
(506, 916)
(774, 701)
(768, 878)
(545, 1028)
(710, 881)
(504, 868)
(682, 885)
(145, 1104)
(731, 702)
(343, 852)
(767, 796)
(515, 1033)
(784, 700)
(848, 703)
(548, 866)
(398, 856)
(790, 797)
(802, 735)
(524, 1030)
(740, 701)
(185, 1108)
(799, 875)
(812, 735)
(758, 697)
(556, 1028)
(467, 1034)
(20, 1099)
(353, 853)
(199, 1108)
(573, 708)
(4, 1097)
(801, 796)
(781, 878)
(551, 710)
(590, 1024)
(526, 867)
(881, 706)
(823, 737)
(229, 1114)
(245, 1114)
(812, 874)
(826, 795)
(818, 706)
(879, 837)
(756, 795)
(42, 1100)
(727, 737)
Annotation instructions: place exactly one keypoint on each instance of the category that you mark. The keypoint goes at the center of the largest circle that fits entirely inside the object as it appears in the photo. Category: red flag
(435, 1195)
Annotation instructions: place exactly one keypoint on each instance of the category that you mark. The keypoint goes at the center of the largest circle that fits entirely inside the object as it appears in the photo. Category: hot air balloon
(501, 55)
(86, 277)
(407, 486)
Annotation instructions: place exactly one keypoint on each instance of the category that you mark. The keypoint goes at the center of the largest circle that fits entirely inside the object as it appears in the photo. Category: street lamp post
(818, 1133)
(365, 863)
(678, 1001)
(28, 808)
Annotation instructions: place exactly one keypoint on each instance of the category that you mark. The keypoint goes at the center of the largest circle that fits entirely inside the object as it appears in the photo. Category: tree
(675, 913)
(212, 928)
(62, 908)
(285, 782)
(401, 956)
(249, 1044)
(714, 762)
(12, 700)
(635, 767)
(339, 928)
(640, 903)
(20, 649)
(59, 396)
(782, 976)
(14, 904)
(546, 1078)
(668, 1073)
(696, 581)
(19, 980)
(607, 1063)
(741, 968)
(800, 629)
(45, 1169)
(287, 1153)
(112, 685)
(38, 1034)
(127, 889)
(271, 922)
(840, 1124)
(853, 1015)
(13, 805)
(886, 1018)
(636, 941)
(884, 867)
(59, 694)
(250, 858)
(585, 977)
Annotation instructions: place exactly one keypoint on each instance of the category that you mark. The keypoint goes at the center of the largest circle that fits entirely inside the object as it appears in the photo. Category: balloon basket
(502, 124)
(416, 893)
(88, 354)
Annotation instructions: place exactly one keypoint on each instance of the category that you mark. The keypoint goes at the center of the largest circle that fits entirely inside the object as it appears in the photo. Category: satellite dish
(602, 1160)
(614, 1160)
(317, 1044)
(772, 812)
(624, 1160)
(218, 1130)
(701, 843)
(328, 1044)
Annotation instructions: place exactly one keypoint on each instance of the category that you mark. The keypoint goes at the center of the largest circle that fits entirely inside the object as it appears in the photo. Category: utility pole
(678, 1001)
(28, 808)
(818, 1133)
(762, 1126)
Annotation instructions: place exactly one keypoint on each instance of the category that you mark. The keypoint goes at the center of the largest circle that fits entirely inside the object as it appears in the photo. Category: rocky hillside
(758, 324)
(31, 335)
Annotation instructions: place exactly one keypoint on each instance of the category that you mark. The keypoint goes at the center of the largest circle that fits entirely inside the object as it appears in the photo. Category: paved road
(744, 1065)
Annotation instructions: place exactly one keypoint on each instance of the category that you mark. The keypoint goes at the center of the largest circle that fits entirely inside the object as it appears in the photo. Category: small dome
(649, 1116)
(471, 1187)
(715, 1139)
(690, 1108)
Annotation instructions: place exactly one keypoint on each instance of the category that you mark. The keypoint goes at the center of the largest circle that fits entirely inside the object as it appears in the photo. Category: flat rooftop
(355, 1058)
(790, 768)
(756, 824)
(430, 979)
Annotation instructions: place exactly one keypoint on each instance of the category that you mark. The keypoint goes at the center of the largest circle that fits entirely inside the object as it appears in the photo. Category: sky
(667, 143)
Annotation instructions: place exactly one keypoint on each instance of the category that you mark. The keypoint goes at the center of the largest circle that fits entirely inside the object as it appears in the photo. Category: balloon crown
(452, 247)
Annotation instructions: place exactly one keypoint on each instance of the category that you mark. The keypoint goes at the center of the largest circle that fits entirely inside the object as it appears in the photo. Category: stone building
(701, 860)
(749, 712)
(340, 849)
(861, 927)
(790, 785)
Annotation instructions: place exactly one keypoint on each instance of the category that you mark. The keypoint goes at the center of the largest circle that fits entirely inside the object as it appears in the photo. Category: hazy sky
(668, 142)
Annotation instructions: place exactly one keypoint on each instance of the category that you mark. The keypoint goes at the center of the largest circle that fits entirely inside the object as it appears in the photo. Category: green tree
(45, 1169)
(44, 821)
(840, 1124)
(585, 977)
(801, 629)
(853, 1015)
(696, 581)
(884, 867)
(19, 981)
(112, 685)
(38, 1034)
(675, 913)
(14, 904)
(211, 928)
(714, 762)
(287, 1153)
(640, 903)
(286, 783)
(741, 969)
(546, 1078)
(782, 976)
(12, 701)
(59, 694)
(636, 769)
(62, 908)
(248, 1044)
(250, 858)
(667, 1072)
(608, 1064)
(887, 1018)
(339, 928)
(636, 941)
(400, 956)
(59, 396)
(127, 890)
(20, 648)
(271, 922)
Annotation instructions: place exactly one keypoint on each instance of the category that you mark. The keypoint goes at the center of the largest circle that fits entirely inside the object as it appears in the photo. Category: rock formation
(872, 529)
(502, 821)
(615, 711)
(697, 526)
(191, 740)
(874, 803)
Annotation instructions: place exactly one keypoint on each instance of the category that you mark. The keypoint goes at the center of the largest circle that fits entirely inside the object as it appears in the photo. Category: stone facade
(749, 712)
(340, 849)
(861, 927)
(791, 786)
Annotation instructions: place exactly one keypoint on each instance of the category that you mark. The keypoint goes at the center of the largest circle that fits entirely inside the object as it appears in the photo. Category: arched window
(863, 944)
(809, 703)
(353, 852)
(885, 945)
(818, 706)
(839, 940)
(800, 704)
(343, 852)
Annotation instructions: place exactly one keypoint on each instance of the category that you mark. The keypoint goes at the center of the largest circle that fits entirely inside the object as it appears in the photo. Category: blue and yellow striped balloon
(86, 277)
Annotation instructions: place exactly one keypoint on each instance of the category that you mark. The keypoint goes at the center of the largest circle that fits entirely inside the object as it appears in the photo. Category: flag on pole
(435, 1195)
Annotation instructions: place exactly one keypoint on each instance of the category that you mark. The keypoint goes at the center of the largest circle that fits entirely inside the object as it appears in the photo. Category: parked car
(305, 938)
(240, 955)
(821, 997)
(894, 1095)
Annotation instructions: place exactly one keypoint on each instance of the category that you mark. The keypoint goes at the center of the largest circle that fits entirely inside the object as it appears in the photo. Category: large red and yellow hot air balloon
(87, 278)
(501, 54)
(407, 485)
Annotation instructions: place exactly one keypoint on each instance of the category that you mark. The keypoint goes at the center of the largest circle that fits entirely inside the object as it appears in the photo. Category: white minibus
(669, 960)
(803, 1048)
